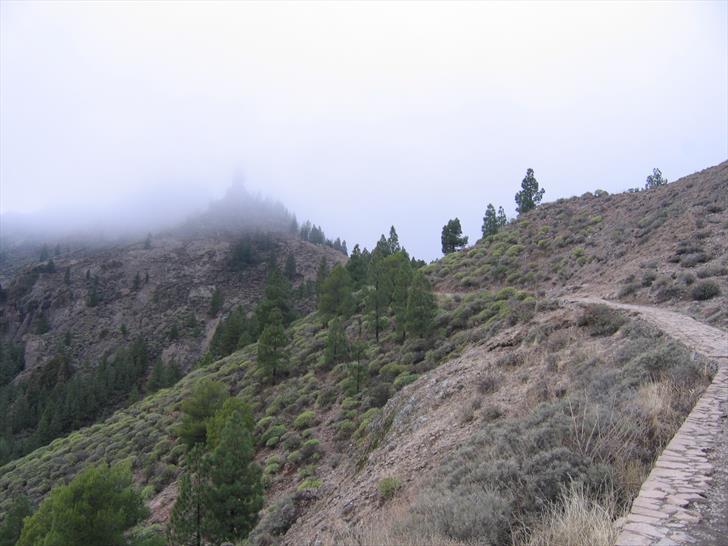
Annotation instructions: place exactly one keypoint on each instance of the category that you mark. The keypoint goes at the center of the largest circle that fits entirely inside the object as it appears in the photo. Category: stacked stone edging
(666, 504)
(666, 510)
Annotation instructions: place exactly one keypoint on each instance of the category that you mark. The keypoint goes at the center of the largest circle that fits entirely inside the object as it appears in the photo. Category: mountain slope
(474, 433)
(652, 246)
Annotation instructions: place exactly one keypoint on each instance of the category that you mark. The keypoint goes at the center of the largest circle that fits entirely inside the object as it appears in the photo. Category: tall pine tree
(271, 347)
(421, 306)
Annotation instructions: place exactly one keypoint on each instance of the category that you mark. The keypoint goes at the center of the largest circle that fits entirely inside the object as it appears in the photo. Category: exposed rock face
(161, 293)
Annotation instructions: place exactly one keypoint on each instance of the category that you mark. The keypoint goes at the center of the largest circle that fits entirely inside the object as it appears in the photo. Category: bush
(705, 290)
(273, 434)
(388, 487)
(713, 271)
(628, 289)
(691, 260)
(601, 320)
(309, 483)
(305, 420)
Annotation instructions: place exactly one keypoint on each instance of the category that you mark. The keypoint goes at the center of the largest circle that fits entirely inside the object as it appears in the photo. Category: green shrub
(344, 429)
(304, 420)
(309, 483)
(404, 379)
(273, 434)
(388, 487)
(705, 290)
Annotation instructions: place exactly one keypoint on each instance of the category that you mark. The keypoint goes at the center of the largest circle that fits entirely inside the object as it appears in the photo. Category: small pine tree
(452, 238)
(13, 525)
(335, 296)
(44, 253)
(490, 221)
(67, 276)
(377, 298)
(215, 303)
(421, 306)
(148, 241)
(206, 399)
(393, 241)
(321, 275)
(290, 267)
(337, 346)
(357, 266)
(530, 195)
(235, 495)
(501, 220)
(655, 179)
(271, 346)
(137, 283)
(96, 507)
(357, 369)
(188, 521)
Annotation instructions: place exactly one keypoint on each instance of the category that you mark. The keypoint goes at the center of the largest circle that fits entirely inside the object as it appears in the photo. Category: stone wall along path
(685, 498)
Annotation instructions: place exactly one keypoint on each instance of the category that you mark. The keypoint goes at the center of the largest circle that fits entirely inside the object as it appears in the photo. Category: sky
(356, 115)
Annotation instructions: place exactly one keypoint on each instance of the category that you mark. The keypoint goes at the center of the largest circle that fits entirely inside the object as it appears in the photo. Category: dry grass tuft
(576, 520)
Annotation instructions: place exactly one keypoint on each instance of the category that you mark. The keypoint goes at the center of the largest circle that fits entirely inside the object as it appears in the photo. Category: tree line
(57, 399)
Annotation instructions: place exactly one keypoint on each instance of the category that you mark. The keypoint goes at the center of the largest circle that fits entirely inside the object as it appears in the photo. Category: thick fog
(355, 115)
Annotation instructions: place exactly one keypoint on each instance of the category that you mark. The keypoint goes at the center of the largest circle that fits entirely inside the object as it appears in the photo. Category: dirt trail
(685, 498)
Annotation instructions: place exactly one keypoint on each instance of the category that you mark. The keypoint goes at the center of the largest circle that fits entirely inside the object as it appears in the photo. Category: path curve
(685, 498)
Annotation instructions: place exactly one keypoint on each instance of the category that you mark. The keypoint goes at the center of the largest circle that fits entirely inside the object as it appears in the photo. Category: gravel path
(685, 498)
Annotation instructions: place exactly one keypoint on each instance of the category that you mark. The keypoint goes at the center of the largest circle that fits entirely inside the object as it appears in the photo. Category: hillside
(653, 247)
(91, 326)
(516, 400)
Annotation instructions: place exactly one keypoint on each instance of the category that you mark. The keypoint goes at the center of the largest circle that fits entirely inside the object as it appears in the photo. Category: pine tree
(321, 274)
(67, 276)
(490, 221)
(277, 296)
(290, 267)
(236, 493)
(44, 253)
(137, 281)
(357, 369)
(337, 346)
(206, 399)
(530, 195)
(11, 528)
(501, 220)
(271, 346)
(215, 303)
(357, 265)
(188, 521)
(96, 507)
(421, 306)
(655, 179)
(378, 296)
(335, 297)
(216, 424)
(393, 241)
(452, 238)
(401, 275)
